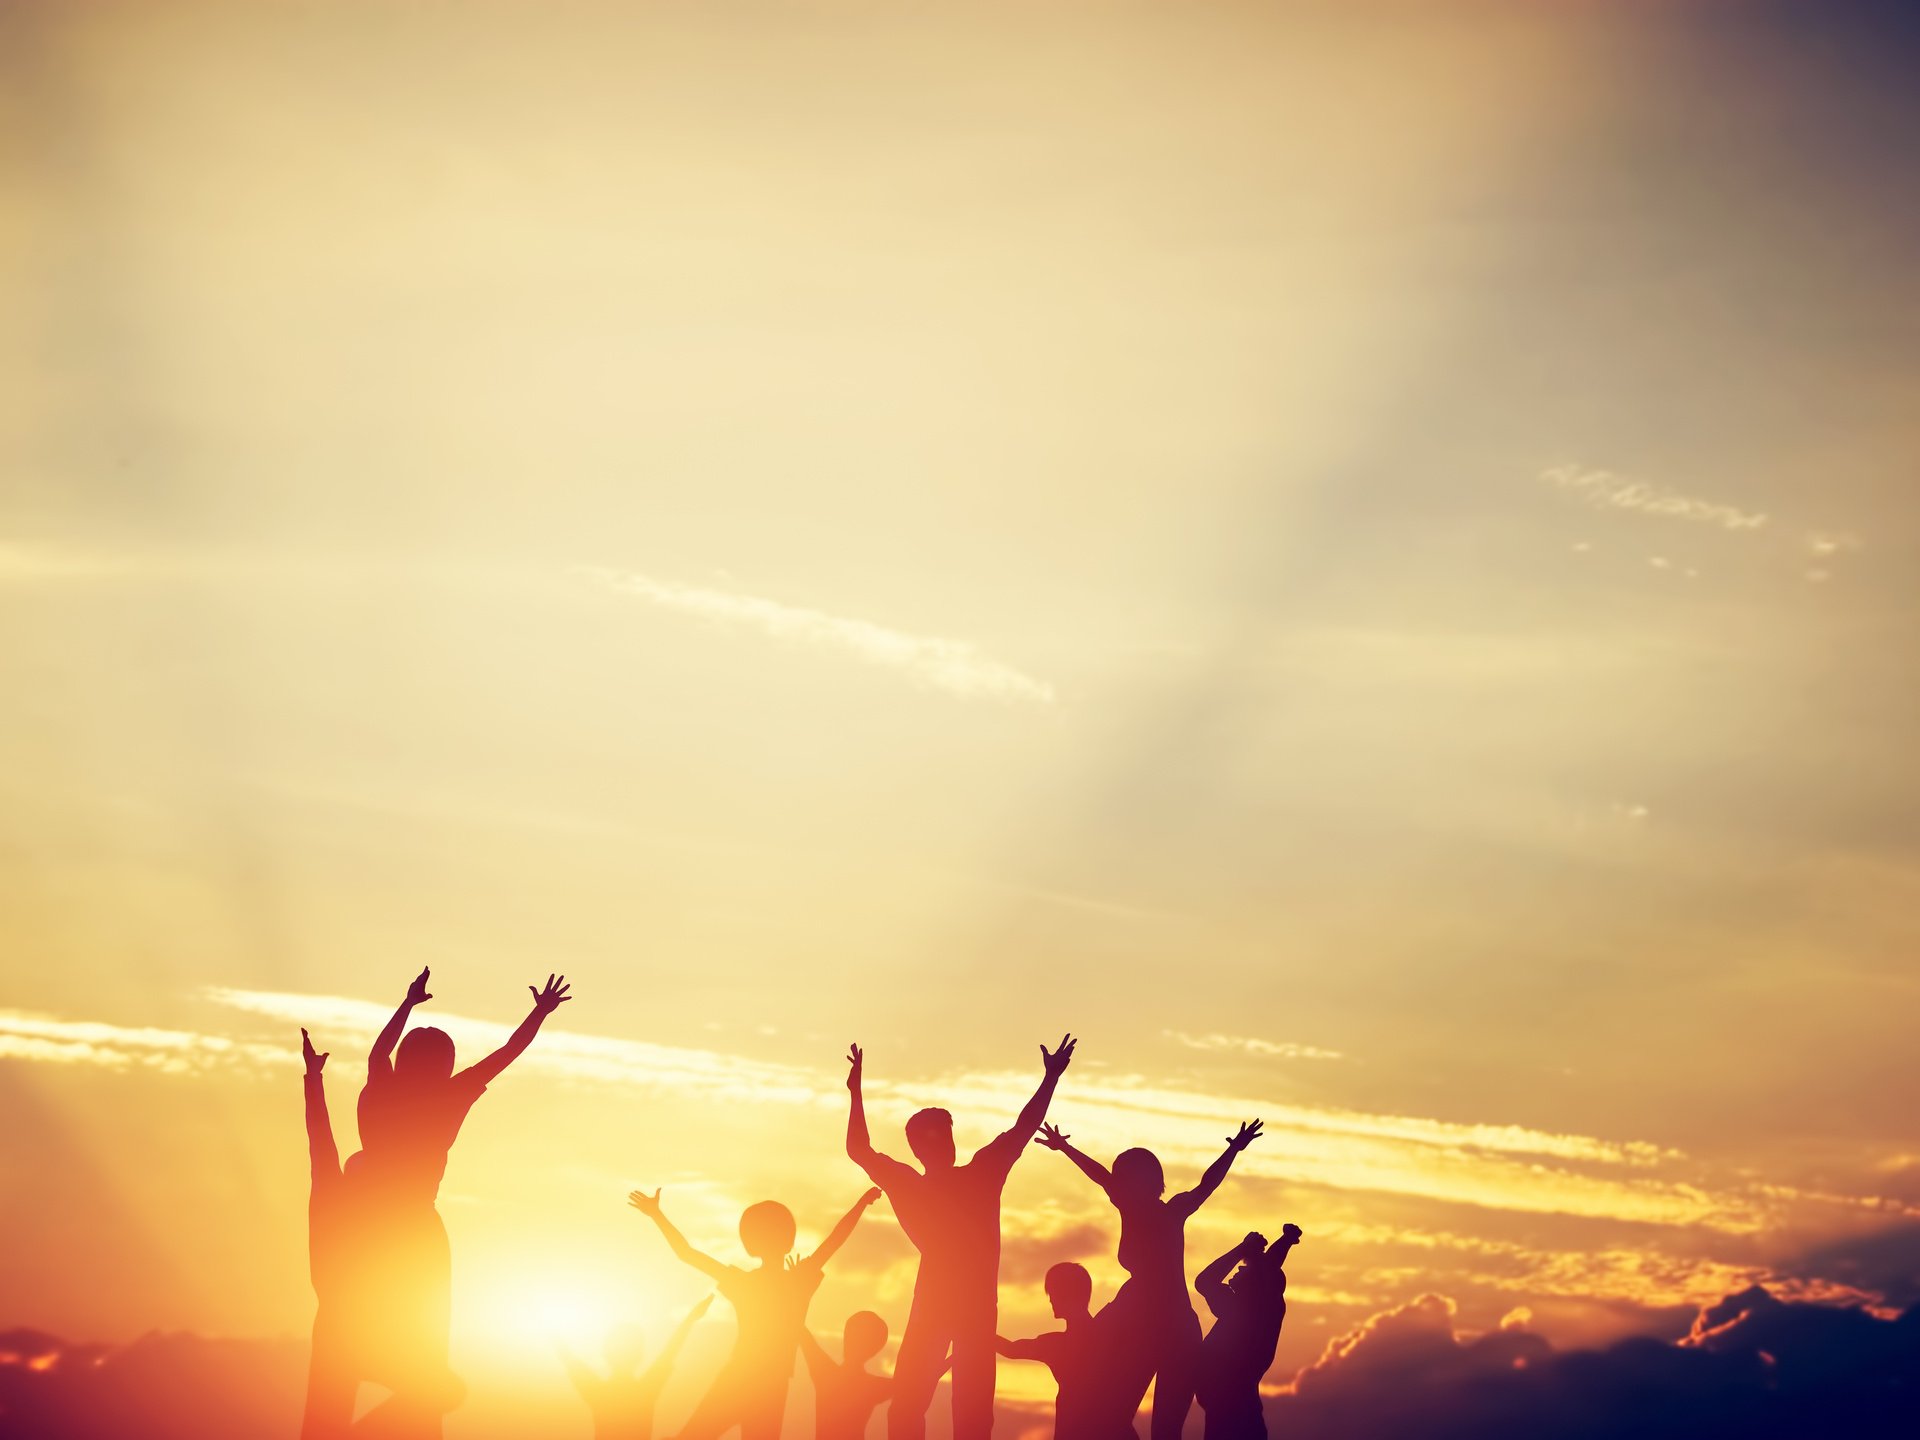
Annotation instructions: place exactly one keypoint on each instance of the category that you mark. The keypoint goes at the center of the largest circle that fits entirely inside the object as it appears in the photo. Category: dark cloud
(1884, 1262)
(1025, 1259)
(159, 1387)
(1752, 1365)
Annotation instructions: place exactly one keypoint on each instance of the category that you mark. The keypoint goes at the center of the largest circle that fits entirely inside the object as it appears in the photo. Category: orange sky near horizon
(1359, 558)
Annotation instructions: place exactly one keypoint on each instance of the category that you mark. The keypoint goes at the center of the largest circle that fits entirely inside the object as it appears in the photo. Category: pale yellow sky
(1386, 530)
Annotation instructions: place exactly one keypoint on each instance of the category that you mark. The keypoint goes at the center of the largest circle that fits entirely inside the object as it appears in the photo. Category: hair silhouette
(951, 1213)
(1248, 1309)
(622, 1401)
(1157, 1336)
(770, 1304)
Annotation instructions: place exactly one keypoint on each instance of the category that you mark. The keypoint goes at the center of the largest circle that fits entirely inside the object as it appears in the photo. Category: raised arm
(837, 1236)
(1211, 1282)
(380, 1058)
(1051, 1137)
(663, 1362)
(883, 1170)
(1006, 1147)
(1191, 1200)
(546, 1000)
(649, 1206)
(323, 1154)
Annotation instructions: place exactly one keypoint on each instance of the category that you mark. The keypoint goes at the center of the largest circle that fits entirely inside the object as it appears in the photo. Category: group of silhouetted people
(382, 1275)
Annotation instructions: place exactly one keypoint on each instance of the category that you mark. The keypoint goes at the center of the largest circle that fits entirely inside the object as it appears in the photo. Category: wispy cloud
(1248, 1045)
(26, 1035)
(1606, 490)
(954, 666)
(1500, 1167)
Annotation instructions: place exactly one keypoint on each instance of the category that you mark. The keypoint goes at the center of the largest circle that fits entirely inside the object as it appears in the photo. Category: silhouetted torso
(1153, 1247)
(771, 1306)
(1078, 1359)
(953, 1217)
(1237, 1353)
(407, 1127)
(844, 1399)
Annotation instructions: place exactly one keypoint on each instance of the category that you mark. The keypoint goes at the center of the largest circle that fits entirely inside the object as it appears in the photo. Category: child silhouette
(622, 1401)
(1248, 1311)
(770, 1304)
(1159, 1332)
(1092, 1392)
(845, 1392)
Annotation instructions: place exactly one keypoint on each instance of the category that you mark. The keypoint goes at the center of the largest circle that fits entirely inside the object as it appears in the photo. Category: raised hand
(316, 1060)
(854, 1056)
(551, 996)
(1052, 1137)
(1254, 1244)
(1054, 1062)
(1290, 1233)
(646, 1204)
(1245, 1135)
(872, 1195)
(417, 991)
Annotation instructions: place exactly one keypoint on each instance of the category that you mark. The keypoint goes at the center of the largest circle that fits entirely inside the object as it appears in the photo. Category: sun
(541, 1313)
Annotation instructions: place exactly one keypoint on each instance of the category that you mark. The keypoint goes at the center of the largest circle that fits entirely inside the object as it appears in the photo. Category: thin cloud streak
(1249, 1045)
(1499, 1167)
(1606, 490)
(954, 666)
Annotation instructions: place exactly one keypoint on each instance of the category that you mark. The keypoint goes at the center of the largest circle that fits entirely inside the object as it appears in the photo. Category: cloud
(1753, 1365)
(1246, 1045)
(26, 1035)
(1605, 490)
(1501, 1167)
(954, 666)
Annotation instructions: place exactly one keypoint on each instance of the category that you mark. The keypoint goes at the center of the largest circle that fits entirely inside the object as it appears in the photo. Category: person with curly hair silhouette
(770, 1304)
(622, 1401)
(951, 1213)
(1159, 1334)
(1248, 1311)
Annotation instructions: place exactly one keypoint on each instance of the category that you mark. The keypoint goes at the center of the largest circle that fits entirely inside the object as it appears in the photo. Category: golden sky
(1361, 558)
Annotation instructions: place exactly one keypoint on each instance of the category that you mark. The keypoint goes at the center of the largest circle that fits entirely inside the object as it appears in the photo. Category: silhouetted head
(626, 1347)
(1137, 1172)
(426, 1054)
(863, 1338)
(767, 1230)
(930, 1137)
(1070, 1289)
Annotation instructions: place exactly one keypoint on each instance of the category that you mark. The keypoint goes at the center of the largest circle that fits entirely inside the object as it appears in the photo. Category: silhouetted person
(845, 1392)
(332, 1377)
(1248, 1310)
(770, 1303)
(951, 1213)
(1093, 1400)
(410, 1111)
(1159, 1335)
(622, 1401)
